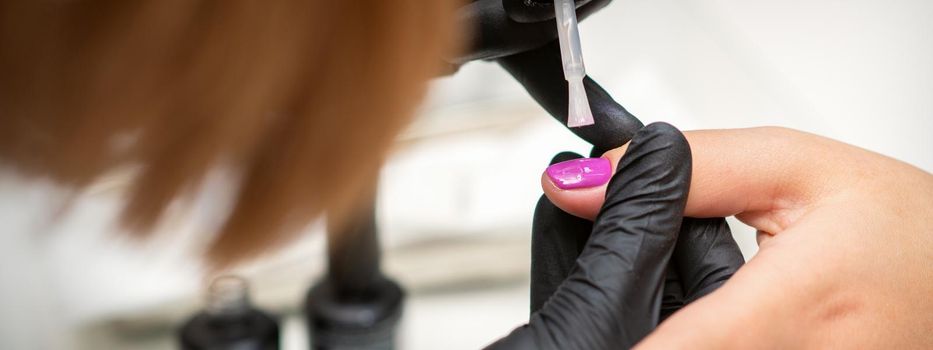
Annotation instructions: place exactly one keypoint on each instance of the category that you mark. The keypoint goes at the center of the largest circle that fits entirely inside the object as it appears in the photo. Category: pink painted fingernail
(580, 173)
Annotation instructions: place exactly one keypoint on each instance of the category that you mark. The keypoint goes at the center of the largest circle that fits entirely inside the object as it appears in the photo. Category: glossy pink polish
(580, 173)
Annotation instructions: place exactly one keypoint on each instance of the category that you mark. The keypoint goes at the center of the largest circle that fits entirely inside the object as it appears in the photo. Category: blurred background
(857, 71)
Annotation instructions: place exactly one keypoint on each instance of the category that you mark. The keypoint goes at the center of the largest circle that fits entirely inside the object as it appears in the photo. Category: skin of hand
(845, 238)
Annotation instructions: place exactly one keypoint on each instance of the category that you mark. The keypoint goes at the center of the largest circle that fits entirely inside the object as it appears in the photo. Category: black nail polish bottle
(229, 321)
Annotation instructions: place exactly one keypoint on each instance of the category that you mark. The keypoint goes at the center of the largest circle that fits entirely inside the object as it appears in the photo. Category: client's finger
(736, 171)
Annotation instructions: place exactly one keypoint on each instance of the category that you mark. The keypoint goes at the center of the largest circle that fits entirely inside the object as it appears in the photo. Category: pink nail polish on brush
(580, 173)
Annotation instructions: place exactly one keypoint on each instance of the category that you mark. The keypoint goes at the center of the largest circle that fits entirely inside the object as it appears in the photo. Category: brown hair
(301, 98)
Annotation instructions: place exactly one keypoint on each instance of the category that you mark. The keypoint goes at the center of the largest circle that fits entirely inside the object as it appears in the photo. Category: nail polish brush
(579, 113)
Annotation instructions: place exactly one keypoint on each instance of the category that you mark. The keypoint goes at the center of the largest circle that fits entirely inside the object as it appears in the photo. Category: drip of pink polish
(580, 173)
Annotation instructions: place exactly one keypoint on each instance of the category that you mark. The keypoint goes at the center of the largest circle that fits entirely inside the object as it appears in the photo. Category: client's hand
(610, 296)
(845, 237)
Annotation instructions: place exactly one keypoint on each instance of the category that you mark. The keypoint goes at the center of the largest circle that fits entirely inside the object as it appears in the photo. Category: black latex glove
(521, 35)
(704, 258)
(612, 295)
(498, 28)
(541, 73)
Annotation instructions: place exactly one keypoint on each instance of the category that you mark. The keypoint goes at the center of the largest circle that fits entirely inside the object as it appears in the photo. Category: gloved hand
(521, 36)
(499, 28)
(705, 254)
(611, 295)
(844, 256)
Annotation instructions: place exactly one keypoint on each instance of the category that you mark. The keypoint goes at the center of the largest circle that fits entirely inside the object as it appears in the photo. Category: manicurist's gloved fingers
(530, 11)
(541, 73)
(557, 239)
(705, 257)
(613, 294)
(672, 298)
(495, 30)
